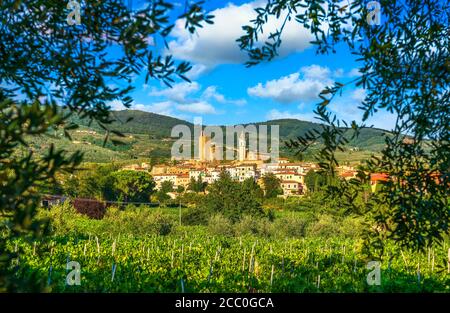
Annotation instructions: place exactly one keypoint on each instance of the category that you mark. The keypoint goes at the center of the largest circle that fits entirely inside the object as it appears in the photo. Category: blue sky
(224, 91)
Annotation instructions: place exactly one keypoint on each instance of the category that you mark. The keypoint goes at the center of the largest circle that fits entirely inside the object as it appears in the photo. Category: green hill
(147, 135)
(160, 126)
(156, 125)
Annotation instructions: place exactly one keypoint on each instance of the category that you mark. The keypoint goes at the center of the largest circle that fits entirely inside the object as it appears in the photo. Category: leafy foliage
(220, 263)
(197, 185)
(314, 181)
(272, 185)
(91, 182)
(233, 199)
(133, 186)
(47, 63)
(161, 195)
(405, 70)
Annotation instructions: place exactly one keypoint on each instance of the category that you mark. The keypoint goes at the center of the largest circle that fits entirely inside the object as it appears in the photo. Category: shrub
(138, 221)
(325, 226)
(64, 220)
(352, 227)
(290, 226)
(133, 220)
(92, 208)
(250, 225)
(220, 225)
(195, 216)
(191, 198)
(161, 225)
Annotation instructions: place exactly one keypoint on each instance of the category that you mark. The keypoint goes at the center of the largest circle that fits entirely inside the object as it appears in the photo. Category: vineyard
(196, 262)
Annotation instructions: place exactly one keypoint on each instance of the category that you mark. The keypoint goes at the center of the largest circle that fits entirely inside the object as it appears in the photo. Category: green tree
(233, 199)
(180, 189)
(250, 187)
(161, 195)
(197, 185)
(272, 185)
(166, 186)
(250, 198)
(49, 64)
(91, 182)
(133, 186)
(404, 68)
(314, 180)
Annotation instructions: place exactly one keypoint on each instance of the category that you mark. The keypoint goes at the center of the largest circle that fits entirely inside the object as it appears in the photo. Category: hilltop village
(248, 164)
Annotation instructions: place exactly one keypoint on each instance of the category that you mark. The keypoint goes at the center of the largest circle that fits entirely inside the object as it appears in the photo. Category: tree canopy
(133, 186)
(272, 185)
(197, 185)
(314, 181)
(232, 198)
(51, 70)
(405, 70)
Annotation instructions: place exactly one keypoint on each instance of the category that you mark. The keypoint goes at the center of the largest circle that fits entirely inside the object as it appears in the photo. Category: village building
(196, 173)
(182, 169)
(377, 180)
(290, 176)
(160, 178)
(182, 180)
(137, 167)
(291, 187)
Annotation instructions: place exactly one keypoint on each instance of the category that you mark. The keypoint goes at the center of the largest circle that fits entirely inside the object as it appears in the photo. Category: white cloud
(239, 102)
(346, 107)
(178, 92)
(216, 44)
(164, 108)
(359, 94)
(196, 71)
(117, 105)
(190, 97)
(354, 72)
(212, 93)
(343, 110)
(316, 72)
(304, 85)
(200, 107)
(291, 88)
(383, 120)
(338, 73)
(277, 115)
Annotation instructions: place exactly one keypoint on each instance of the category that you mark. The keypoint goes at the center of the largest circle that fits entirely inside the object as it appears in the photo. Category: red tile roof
(379, 177)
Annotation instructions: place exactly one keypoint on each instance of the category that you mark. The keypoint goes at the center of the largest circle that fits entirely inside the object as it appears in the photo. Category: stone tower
(241, 147)
(202, 139)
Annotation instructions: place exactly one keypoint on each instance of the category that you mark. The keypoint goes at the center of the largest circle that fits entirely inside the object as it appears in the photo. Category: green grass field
(193, 261)
(147, 250)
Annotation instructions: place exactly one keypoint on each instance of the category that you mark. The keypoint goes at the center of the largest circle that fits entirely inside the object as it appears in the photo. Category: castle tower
(202, 139)
(205, 148)
(241, 147)
(212, 153)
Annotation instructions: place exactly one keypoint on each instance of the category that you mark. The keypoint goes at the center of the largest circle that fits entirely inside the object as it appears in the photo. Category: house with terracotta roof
(377, 180)
(291, 187)
(290, 175)
(348, 174)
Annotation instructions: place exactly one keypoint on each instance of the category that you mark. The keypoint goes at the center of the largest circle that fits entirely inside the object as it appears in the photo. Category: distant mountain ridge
(159, 126)
(147, 123)
(147, 136)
